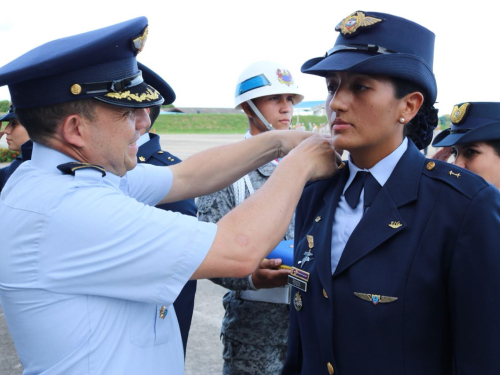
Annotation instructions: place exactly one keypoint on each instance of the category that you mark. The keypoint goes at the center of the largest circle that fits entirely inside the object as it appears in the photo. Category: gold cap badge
(139, 42)
(458, 113)
(356, 22)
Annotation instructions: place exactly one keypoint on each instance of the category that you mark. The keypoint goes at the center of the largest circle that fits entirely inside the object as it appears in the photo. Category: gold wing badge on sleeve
(375, 298)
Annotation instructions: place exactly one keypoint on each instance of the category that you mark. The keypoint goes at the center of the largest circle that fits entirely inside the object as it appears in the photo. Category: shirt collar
(143, 139)
(383, 169)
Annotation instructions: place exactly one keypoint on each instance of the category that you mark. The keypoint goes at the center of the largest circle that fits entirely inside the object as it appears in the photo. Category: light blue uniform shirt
(347, 218)
(86, 263)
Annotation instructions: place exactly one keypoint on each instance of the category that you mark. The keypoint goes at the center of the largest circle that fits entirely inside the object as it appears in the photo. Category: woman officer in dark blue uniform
(396, 257)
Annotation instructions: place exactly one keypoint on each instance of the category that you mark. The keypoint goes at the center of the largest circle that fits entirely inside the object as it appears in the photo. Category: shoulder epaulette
(461, 179)
(71, 167)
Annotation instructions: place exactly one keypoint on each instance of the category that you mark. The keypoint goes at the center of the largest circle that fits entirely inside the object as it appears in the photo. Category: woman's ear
(412, 103)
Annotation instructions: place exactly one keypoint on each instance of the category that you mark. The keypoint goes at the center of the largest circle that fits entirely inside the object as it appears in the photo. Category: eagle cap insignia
(356, 22)
(139, 41)
(458, 113)
(284, 76)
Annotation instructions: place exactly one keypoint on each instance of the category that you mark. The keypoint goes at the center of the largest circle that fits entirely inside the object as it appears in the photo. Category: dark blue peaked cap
(380, 44)
(471, 122)
(100, 64)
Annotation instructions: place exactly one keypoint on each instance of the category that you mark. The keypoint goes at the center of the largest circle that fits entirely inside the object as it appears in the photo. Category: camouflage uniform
(254, 333)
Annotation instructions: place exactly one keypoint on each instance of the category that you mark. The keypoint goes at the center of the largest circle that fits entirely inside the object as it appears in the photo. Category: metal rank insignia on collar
(298, 278)
(356, 22)
(375, 298)
(297, 301)
(308, 255)
(142, 158)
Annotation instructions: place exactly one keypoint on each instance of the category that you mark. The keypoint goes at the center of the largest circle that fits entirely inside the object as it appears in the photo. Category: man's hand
(317, 155)
(269, 275)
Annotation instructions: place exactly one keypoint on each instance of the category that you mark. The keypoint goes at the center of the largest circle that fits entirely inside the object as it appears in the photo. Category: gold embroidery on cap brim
(147, 96)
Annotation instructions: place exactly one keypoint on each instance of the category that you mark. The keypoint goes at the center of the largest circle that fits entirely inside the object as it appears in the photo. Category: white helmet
(261, 79)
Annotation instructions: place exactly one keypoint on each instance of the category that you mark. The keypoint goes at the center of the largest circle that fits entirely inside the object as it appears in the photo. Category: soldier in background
(255, 325)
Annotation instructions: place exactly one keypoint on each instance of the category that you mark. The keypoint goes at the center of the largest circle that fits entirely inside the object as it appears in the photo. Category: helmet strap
(259, 115)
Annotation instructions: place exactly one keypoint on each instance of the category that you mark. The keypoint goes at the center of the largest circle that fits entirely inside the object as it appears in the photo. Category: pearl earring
(402, 120)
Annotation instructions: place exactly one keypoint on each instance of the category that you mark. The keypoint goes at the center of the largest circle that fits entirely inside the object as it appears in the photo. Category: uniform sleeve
(149, 184)
(474, 287)
(211, 208)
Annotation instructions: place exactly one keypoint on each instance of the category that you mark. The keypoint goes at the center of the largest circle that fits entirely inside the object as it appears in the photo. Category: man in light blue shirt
(90, 271)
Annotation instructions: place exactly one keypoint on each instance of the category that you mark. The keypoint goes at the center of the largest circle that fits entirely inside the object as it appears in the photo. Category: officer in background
(150, 152)
(17, 140)
(90, 271)
(474, 139)
(266, 92)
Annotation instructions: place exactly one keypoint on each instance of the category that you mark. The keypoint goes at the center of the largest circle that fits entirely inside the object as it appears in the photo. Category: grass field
(213, 123)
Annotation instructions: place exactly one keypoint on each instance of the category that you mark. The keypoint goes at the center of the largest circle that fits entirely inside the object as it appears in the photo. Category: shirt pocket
(145, 326)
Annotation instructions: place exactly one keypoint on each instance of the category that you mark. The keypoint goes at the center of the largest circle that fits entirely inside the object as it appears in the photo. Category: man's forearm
(213, 169)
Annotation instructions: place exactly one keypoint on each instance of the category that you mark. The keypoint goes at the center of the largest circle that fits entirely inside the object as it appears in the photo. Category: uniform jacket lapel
(383, 219)
(323, 235)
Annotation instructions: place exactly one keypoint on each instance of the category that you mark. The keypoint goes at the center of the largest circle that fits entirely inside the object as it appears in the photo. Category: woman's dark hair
(420, 128)
(495, 145)
(41, 122)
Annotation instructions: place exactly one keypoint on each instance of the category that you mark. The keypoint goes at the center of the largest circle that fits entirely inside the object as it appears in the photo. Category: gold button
(160, 152)
(324, 293)
(430, 165)
(330, 368)
(76, 89)
(341, 165)
(163, 312)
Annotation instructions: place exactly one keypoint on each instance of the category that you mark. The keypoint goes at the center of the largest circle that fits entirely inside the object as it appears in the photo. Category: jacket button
(324, 293)
(430, 165)
(330, 368)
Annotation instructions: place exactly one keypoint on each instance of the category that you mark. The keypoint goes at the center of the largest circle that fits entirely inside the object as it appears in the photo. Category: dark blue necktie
(362, 180)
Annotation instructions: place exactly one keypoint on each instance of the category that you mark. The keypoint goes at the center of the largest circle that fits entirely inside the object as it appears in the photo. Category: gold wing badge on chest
(375, 298)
